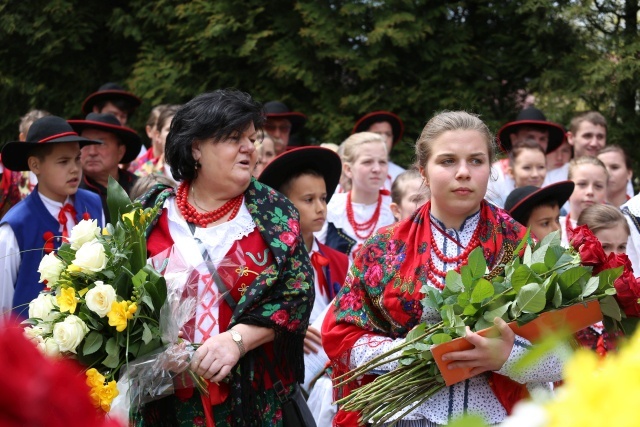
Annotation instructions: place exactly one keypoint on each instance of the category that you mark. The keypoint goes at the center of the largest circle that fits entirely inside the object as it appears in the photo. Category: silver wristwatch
(235, 335)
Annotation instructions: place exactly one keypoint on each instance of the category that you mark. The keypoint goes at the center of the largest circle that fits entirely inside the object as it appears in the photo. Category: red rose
(589, 247)
(281, 317)
(294, 225)
(373, 275)
(627, 286)
(288, 238)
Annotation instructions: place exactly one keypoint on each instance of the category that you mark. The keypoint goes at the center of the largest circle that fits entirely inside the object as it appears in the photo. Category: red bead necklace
(434, 274)
(203, 219)
(368, 226)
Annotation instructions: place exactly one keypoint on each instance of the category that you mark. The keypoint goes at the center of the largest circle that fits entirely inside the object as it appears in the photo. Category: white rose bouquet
(103, 301)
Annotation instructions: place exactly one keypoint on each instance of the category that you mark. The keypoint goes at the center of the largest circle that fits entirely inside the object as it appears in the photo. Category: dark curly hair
(213, 115)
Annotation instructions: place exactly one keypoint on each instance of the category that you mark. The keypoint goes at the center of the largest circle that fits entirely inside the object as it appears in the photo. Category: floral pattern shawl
(287, 285)
(382, 295)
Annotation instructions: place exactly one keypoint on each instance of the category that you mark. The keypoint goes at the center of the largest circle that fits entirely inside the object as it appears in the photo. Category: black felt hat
(324, 161)
(109, 91)
(365, 122)
(531, 117)
(279, 110)
(47, 130)
(523, 200)
(109, 123)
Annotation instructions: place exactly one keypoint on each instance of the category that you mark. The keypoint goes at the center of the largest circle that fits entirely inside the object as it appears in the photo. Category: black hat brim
(105, 95)
(322, 160)
(559, 191)
(556, 133)
(366, 121)
(129, 137)
(15, 154)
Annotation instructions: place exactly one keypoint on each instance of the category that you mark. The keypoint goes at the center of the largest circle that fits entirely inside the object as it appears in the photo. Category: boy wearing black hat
(539, 208)
(37, 225)
(111, 98)
(308, 176)
(119, 145)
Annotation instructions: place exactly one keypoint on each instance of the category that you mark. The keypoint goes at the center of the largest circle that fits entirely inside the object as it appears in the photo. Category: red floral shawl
(382, 295)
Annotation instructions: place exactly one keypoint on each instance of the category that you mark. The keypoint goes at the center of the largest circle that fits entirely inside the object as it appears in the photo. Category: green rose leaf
(590, 287)
(113, 350)
(489, 316)
(526, 258)
(523, 276)
(524, 241)
(415, 332)
(147, 336)
(539, 268)
(470, 310)
(570, 282)
(463, 299)
(92, 343)
(407, 361)
(441, 338)
(554, 253)
(539, 254)
(531, 298)
(482, 290)
(482, 323)
(609, 307)
(477, 263)
(557, 296)
(453, 281)
(607, 277)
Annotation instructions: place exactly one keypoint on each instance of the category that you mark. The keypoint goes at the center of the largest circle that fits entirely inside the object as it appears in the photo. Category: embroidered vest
(30, 220)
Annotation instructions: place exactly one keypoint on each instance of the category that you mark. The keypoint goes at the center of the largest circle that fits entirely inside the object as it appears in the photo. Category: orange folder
(572, 319)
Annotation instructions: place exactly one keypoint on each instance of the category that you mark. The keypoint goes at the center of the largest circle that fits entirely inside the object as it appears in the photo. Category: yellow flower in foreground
(120, 313)
(105, 232)
(94, 378)
(599, 392)
(67, 300)
(101, 394)
(107, 393)
(128, 216)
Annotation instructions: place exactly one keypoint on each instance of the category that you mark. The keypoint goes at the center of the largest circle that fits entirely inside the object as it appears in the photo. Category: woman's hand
(312, 340)
(489, 354)
(216, 357)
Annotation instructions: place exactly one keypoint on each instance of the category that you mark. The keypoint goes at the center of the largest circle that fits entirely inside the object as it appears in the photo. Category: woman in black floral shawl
(220, 212)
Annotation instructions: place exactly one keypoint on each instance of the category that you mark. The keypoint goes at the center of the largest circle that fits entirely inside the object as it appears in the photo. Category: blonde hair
(520, 147)
(603, 217)
(451, 121)
(351, 145)
(27, 120)
(586, 160)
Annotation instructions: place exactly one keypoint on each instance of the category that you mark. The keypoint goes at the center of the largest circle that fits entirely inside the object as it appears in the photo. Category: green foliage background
(334, 60)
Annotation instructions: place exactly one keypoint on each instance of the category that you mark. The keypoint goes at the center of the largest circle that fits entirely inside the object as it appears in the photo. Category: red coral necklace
(203, 219)
(434, 274)
(368, 227)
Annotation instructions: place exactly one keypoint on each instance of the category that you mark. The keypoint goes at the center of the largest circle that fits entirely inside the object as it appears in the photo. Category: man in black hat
(119, 145)
(281, 122)
(530, 123)
(111, 98)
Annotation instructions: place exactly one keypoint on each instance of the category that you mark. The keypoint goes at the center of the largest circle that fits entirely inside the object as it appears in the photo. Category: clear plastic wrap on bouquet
(160, 373)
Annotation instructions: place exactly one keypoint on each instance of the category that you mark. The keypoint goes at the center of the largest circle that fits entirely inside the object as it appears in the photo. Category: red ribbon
(318, 261)
(62, 217)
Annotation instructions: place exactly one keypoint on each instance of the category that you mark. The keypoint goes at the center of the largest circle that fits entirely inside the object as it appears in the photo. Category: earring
(197, 165)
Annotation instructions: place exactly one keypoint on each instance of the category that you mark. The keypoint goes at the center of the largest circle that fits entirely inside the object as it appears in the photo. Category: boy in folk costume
(308, 176)
(38, 224)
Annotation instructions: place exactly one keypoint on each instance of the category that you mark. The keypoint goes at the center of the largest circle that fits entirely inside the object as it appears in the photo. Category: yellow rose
(91, 257)
(94, 378)
(67, 300)
(83, 232)
(120, 314)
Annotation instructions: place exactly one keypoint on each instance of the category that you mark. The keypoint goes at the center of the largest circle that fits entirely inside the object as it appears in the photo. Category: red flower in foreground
(627, 286)
(29, 382)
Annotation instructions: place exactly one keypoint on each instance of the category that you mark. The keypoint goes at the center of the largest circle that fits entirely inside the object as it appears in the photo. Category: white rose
(42, 308)
(35, 333)
(83, 232)
(70, 333)
(49, 347)
(100, 298)
(91, 258)
(50, 268)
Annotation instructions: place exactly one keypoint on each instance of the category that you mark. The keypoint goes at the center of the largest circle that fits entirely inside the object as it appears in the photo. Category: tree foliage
(334, 60)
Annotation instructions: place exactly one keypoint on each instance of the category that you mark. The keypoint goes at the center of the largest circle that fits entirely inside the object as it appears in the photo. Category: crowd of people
(309, 225)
